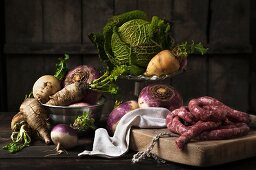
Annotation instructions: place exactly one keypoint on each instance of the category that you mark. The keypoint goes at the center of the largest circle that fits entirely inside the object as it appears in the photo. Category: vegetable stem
(184, 49)
(61, 67)
(105, 82)
(20, 140)
(84, 122)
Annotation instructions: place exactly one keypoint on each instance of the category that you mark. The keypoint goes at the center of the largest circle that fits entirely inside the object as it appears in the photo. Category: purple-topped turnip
(79, 104)
(63, 136)
(160, 95)
(86, 74)
(118, 112)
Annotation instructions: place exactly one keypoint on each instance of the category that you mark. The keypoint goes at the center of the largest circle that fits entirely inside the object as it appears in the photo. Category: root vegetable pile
(206, 118)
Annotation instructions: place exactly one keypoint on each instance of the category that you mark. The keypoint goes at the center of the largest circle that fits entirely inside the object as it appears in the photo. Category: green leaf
(117, 21)
(106, 82)
(61, 67)
(20, 140)
(184, 49)
(84, 122)
(135, 32)
(121, 50)
(15, 147)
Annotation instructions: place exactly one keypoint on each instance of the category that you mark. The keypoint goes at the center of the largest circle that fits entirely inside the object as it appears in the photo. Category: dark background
(34, 33)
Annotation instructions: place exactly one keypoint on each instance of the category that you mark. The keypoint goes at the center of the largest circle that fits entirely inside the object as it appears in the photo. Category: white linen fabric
(116, 146)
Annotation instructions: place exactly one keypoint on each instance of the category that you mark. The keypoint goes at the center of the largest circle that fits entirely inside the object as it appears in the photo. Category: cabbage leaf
(130, 39)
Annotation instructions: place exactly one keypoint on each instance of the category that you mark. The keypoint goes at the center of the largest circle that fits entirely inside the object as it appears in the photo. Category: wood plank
(62, 21)
(46, 48)
(24, 21)
(3, 96)
(229, 27)
(228, 80)
(253, 23)
(122, 6)
(196, 153)
(190, 20)
(160, 8)
(22, 73)
(193, 82)
(95, 15)
(252, 90)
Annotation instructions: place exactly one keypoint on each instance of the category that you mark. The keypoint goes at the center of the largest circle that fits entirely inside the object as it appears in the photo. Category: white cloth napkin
(111, 147)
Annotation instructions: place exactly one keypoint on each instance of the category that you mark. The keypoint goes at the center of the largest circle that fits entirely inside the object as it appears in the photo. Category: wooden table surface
(35, 157)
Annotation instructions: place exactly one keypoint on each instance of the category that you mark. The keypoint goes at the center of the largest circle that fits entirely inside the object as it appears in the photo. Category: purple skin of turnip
(160, 95)
(79, 104)
(63, 136)
(118, 112)
(87, 74)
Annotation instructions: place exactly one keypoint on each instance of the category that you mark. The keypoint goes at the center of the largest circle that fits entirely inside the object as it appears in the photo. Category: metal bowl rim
(100, 102)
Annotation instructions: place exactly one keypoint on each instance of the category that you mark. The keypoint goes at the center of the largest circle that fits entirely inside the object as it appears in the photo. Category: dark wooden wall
(37, 32)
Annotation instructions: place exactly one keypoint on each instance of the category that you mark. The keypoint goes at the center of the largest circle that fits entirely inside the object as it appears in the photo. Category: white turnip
(63, 136)
(45, 86)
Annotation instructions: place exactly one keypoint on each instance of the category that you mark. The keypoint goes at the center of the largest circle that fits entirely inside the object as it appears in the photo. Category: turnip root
(68, 95)
(160, 95)
(86, 74)
(83, 73)
(64, 136)
(45, 86)
(118, 112)
(162, 64)
(79, 104)
(35, 116)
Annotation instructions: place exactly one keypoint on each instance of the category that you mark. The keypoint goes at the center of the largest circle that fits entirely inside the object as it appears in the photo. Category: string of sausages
(206, 118)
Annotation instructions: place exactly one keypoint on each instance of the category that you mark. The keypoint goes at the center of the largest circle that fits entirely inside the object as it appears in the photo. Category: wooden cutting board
(196, 153)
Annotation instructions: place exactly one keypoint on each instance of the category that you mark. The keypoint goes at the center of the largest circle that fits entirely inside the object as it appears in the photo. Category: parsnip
(18, 118)
(35, 116)
(68, 95)
(161, 64)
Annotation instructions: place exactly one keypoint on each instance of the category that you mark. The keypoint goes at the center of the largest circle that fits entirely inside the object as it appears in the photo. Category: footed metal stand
(141, 81)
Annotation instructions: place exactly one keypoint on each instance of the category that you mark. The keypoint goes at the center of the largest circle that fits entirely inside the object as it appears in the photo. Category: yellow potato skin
(161, 64)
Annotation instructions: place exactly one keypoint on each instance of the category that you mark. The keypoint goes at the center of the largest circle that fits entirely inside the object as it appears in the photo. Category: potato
(45, 86)
(162, 64)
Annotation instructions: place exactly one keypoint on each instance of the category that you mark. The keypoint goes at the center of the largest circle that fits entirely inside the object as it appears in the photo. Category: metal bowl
(68, 114)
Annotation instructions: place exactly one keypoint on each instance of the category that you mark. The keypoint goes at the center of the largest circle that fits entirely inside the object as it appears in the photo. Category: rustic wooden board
(196, 153)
